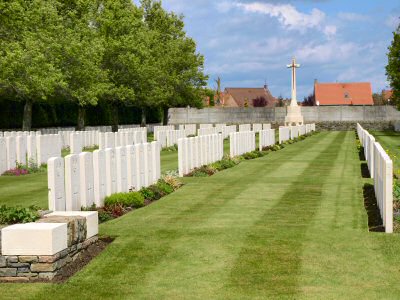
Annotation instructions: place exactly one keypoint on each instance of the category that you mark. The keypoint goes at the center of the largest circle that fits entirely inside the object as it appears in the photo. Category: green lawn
(290, 225)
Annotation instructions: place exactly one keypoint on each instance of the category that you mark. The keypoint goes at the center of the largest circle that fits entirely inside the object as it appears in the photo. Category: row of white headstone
(207, 131)
(169, 138)
(190, 129)
(86, 138)
(18, 133)
(81, 180)
(156, 129)
(242, 142)
(266, 138)
(197, 151)
(27, 149)
(381, 170)
(119, 139)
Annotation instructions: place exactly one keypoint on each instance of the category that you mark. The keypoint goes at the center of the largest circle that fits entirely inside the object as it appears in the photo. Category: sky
(249, 42)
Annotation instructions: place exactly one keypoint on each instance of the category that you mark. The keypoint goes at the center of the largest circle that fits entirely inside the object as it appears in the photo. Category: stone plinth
(34, 239)
(294, 116)
(92, 220)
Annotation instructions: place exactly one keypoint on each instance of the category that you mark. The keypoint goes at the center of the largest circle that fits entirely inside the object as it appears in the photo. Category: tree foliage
(83, 51)
(393, 66)
(260, 102)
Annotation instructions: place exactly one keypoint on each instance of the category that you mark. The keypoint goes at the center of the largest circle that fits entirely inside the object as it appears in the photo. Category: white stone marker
(72, 183)
(76, 143)
(92, 220)
(99, 171)
(139, 166)
(56, 181)
(155, 160)
(11, 152)
(87, 179)
(122, 169)
(131, 166)
(3, 155)
(34, 239)
(21, 149)
(111, 171)
(31, 149)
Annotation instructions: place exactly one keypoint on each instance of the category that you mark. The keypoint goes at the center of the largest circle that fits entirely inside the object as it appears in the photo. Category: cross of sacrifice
(293, 66)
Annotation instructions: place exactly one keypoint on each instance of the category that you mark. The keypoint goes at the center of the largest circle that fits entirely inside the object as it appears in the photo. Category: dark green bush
(131, 199)
(13, 215)
(147, 193)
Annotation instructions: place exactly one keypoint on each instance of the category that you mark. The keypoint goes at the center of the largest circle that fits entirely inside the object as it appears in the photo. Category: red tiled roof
(358, 93)
(240, 94)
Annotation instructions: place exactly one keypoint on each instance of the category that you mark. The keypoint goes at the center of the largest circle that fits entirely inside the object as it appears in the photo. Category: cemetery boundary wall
(326, 117)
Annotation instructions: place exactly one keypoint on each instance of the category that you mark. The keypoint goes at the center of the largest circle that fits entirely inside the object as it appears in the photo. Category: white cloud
(330, 30)
(392, 21)
(286, 14)
(348, 16)
(331, 51)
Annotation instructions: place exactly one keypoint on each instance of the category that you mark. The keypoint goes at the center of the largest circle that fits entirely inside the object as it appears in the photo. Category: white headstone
(131, 166)
(55, 180)
(11, 152)
(99, 171)
(87, 179)
(3, 155)
(122, 169)
(111, 171)
(72, 182)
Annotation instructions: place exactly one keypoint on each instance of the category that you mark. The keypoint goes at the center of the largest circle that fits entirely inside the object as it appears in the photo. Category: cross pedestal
(293, 116)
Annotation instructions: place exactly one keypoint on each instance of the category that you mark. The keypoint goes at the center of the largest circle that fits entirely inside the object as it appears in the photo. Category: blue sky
(246, 42)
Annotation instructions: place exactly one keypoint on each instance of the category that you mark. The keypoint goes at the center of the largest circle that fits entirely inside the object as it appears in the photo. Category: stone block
(34, 239)
(12, 259)
(47, 275)
(8, 272)
(27, 274)
(44, 267)
(76, 227)
(28, 259)
(92, 219)
(50, 258)
(14, 279)
(3, 261)
(17, 265)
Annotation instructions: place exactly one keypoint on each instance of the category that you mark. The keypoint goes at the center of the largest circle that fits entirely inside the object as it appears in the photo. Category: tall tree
(179, 76)
(82, 52)
(393, 66)
(29, 55)
(121, 26)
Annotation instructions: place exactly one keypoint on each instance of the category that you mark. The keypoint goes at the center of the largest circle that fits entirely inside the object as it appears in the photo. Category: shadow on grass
(375, 223)
(364, 170)
(361, 154)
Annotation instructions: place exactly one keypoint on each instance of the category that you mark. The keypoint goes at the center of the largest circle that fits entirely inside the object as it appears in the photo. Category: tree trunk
(165, 115)
(27, 118)
(115, 118)
(143, 123)
(81, 118)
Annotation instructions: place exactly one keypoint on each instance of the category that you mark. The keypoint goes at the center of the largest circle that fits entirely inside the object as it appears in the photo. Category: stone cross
(293, 66)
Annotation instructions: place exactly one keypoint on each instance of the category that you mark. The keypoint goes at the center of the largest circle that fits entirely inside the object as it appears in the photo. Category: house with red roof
(242, 97)
(355, 93)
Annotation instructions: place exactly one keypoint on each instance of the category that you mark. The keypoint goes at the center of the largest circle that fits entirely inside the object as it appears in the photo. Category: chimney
(315, 81)
(265, 87)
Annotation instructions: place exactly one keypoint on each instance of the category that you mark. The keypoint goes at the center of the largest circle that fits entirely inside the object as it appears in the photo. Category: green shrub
(147, 193)
(104, 216)
(13, 215)
(131, 199)
(165, 187)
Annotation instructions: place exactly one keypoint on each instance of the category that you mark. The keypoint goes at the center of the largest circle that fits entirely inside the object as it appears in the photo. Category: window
(346, 95)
